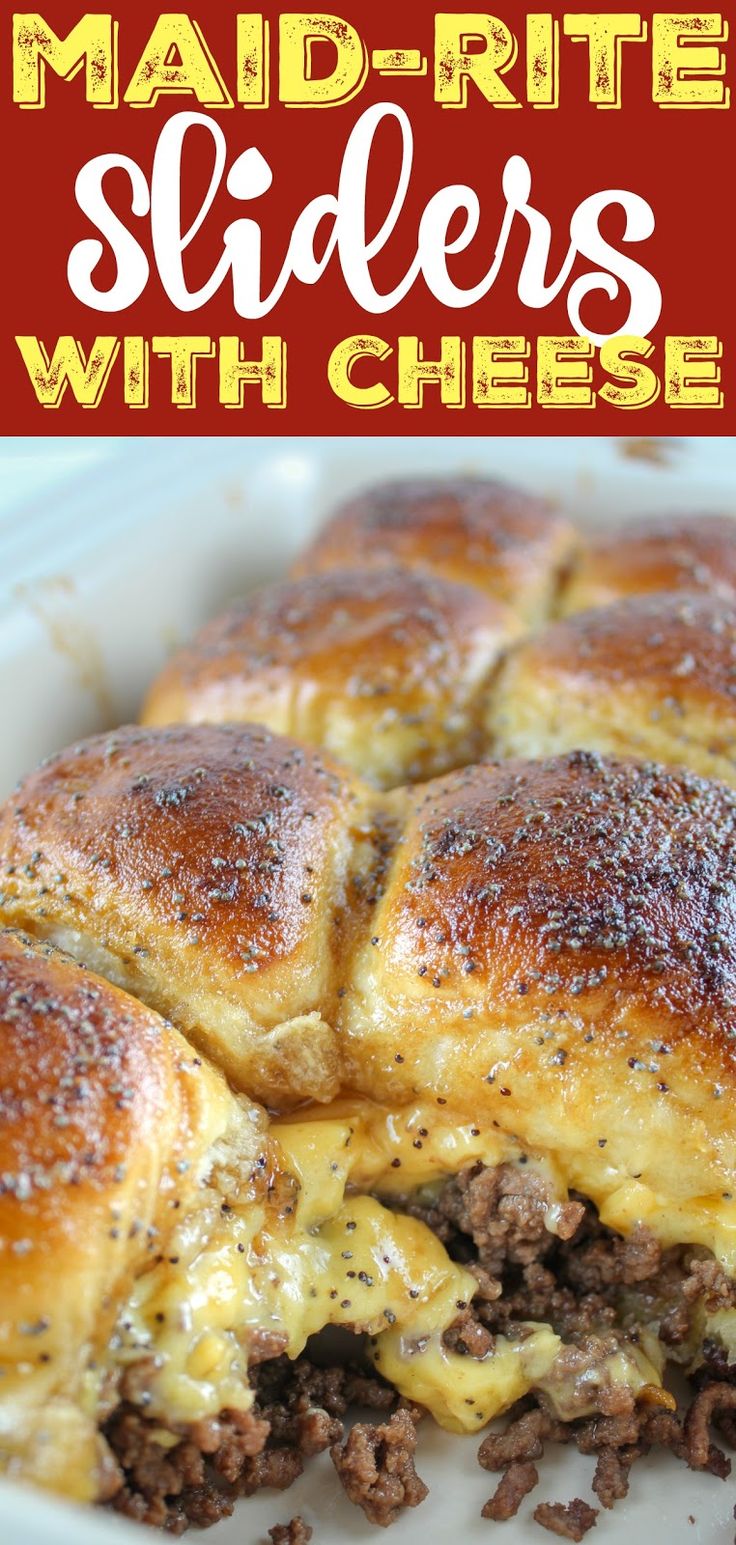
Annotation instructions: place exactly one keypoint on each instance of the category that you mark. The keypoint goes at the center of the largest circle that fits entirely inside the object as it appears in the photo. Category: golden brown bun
(555, 951)
(652, 677)
(107, 1119)
(661, 552)
(386, 669)
(508, 543)
(204, 869)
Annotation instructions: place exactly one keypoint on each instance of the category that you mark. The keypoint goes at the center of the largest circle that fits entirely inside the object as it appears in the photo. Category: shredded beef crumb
(202, 1506)
(282, 1384)
(153, 1470)
(610, 1261)
(265, 1344)
(619, 1440)
(609, 1432)
(296, 1532)
(570, 1520)
(306, 1428)
(514, 1485)
(275, 1468)
(376, 1467)
(232, 1455)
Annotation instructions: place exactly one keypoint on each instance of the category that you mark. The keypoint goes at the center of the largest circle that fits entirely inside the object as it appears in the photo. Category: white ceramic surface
(117, 558)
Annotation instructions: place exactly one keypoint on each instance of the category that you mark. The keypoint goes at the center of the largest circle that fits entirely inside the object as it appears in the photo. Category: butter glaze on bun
(652, 677)
(386, 670)
(556, 953)
(479, 531)
(203, 868)
(659, 552)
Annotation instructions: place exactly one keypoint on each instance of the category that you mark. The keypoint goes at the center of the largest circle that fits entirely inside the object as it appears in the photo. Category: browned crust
(648, 676)
(575, 866)
(100, 1102)
(555, 948)
(341, 658)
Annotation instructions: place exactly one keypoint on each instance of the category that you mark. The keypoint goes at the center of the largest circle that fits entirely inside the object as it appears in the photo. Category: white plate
(99, 580)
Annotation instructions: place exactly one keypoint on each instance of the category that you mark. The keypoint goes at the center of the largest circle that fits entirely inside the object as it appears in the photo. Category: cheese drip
(333, 1255)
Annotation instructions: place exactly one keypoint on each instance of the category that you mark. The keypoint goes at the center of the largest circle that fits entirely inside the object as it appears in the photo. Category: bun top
(477, 530)
(204, 869)
(108, 1117)
(659, 552)
(385, 669)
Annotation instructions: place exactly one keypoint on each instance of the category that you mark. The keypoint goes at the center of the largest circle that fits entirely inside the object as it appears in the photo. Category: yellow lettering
(183, 353)
(605, 37)
(687, 64)
(340, 371)
(68, 367)
(635, 385)
(500, 377)
(415, 372)
(136, 359)
(254, 53)
(269, 372)
(692, 372)
(542, 60)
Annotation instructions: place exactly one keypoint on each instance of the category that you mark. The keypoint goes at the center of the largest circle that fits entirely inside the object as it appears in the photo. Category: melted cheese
(463, 1393)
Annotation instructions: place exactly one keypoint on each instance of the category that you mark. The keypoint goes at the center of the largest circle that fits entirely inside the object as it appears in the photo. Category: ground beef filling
(588, 1283)
(518, 1479)
(582, 1281)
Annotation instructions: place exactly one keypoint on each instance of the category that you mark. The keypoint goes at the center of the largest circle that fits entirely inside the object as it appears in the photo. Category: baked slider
(160, 1253)
(508, 543)
(386, 670)
(657, 552)
(203, 869)
(652, 676)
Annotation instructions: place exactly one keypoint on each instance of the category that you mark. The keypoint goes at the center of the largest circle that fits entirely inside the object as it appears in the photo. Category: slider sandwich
(450, 1067)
